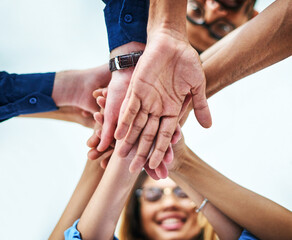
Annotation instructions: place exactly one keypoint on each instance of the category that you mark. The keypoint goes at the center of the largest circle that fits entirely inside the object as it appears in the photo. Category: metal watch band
(124, 61)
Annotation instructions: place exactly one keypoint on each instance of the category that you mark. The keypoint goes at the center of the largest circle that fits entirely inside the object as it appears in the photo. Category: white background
(41, 160)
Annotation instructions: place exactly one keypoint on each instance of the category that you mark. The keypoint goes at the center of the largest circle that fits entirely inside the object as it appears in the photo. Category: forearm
(70, 114)
(261, 42)
(208, 53)
(84, 190)
(225, 228)
(167, 15)
(102, 213)
(260, 216)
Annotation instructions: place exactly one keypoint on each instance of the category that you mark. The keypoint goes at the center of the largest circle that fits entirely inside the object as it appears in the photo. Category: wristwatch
(124, 61)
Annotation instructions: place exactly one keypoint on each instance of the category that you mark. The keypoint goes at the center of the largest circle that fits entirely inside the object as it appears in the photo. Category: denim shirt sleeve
(245, 235)
(25, 93)
(72, 232)
(126, 21)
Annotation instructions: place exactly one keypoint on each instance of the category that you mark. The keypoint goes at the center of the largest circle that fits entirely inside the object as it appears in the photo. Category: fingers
(104, 158)
(93, 154)
(177, 135)
(185, 105)
(201, 108)
(101, 101)
(98, 117)
(133, 133)
(168, 157)
(111, 113)
(128, 117)
(151, 172)
(93, 141)
(145, 143)
(166, 130)
(161, 171)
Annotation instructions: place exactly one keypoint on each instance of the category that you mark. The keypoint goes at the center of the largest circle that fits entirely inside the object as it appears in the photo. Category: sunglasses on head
(153, 194)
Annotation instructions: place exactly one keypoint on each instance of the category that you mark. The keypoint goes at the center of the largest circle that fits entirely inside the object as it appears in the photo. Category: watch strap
(124, 61)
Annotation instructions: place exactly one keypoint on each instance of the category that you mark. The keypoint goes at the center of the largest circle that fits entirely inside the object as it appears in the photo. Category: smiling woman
(161, 210)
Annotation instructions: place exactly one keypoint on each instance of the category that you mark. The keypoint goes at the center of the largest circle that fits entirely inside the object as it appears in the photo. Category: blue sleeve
(126, 21)
(73, 233)
(25, 93)
(245, 235)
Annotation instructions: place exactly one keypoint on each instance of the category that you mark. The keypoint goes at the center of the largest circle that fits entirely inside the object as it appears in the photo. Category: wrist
(214, 81)
(127, 48)
(63, 85)
(186, 163)
(167, 16)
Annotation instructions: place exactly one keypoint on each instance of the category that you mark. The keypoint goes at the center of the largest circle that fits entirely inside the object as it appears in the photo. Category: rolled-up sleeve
(25, 93)
(126, 21)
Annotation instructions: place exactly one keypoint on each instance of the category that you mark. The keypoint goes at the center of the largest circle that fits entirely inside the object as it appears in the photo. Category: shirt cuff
(72, 232)
(25, 94)
(126, 21)
(245, 235)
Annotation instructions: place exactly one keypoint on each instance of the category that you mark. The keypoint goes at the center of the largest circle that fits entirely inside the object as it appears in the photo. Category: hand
(168, 70)
(74, 88)
(116, 93)
(93, 154)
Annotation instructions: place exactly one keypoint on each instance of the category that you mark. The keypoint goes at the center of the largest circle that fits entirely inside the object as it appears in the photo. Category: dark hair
(131, 219)
(131, 224)
(237, 4)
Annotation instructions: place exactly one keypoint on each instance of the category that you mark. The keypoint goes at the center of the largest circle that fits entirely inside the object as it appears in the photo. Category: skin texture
(72, 93)
(263, 41)
(168, 207)
(154, 99)
(244, 207)
(163, 92)
(150, 113)
(116, 93)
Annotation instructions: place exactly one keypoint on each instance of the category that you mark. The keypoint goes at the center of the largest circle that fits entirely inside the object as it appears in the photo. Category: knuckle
(132, 111)
(148, 137)
(136, 127)
(166, 134)
(160, 150)
(125, 125)
(129, 142)
(144, 111)
(141, 158)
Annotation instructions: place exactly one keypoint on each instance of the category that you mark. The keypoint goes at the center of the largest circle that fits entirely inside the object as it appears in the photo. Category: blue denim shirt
(126, 21)
(25, 93)
(72, 232)
(245, 235)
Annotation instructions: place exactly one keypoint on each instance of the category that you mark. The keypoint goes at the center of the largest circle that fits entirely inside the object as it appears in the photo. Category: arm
(70, 114)
(154, 100)
(25, 93)
(100, 217)
(84, 190)
(126, 23)
(261, 42)
(260, 216)
(35, 93)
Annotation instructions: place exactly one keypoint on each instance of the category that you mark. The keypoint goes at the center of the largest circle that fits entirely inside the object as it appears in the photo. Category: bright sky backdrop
(42, 160)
